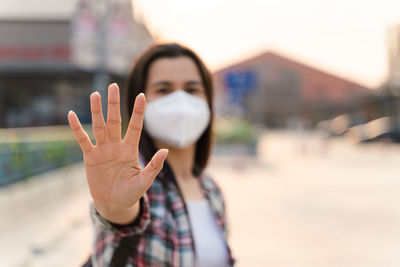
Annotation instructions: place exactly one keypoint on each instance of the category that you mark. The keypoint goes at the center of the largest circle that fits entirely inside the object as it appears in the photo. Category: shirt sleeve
(136, 227)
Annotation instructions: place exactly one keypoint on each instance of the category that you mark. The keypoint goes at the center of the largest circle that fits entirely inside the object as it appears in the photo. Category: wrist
(117, 214)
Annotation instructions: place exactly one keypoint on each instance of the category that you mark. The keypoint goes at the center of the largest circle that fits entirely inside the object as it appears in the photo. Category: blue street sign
(240, 83)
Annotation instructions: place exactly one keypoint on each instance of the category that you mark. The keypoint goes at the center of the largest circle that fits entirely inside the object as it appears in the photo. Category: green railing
(29, 151)
(235, 136)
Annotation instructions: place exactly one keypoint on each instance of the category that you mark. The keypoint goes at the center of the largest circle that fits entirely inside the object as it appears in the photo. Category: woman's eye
(162, 91)
(192, 90)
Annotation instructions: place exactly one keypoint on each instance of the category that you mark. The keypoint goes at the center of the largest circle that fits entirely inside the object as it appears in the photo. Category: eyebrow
(193, 82)
(167, 83)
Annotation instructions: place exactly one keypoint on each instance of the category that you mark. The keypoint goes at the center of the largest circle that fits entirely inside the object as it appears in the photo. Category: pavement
(45, 220)
(304, 201)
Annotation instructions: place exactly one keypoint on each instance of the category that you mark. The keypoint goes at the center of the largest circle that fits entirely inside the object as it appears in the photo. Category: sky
(347, 38)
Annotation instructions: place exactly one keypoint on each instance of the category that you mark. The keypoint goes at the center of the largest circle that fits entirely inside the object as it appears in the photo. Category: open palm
(112, 165)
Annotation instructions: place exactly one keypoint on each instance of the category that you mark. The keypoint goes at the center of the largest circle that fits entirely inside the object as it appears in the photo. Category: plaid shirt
(163, 228)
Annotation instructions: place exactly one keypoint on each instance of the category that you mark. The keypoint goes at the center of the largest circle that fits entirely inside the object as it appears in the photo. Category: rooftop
(36, 9)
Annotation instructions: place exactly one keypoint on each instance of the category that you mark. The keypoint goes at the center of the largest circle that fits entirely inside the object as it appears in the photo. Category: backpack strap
(127, 248)
(88, 262)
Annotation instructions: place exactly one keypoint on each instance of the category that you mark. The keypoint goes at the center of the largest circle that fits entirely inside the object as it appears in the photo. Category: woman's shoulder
(209, 183)
(214, 194)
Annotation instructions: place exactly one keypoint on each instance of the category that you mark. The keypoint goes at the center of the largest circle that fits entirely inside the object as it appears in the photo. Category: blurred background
(307, 97)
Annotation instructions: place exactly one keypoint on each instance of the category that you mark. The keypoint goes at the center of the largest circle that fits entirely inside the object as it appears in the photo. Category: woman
(177, 219)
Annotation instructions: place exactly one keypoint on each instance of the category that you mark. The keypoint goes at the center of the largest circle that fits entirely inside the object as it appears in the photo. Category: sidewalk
(45, 221)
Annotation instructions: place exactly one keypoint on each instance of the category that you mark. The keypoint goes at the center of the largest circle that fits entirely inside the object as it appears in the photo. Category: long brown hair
(137, 83)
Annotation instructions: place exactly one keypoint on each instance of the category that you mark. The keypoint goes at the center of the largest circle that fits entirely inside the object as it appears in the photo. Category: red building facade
(280, 90)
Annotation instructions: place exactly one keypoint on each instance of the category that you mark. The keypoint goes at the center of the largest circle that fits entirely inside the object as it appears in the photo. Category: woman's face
(167, 75)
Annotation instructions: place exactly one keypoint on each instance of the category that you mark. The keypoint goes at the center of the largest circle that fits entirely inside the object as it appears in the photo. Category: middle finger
(113, 114)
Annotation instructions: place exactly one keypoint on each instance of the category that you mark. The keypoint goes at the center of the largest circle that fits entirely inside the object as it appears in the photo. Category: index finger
(80, 135)
(136, 122)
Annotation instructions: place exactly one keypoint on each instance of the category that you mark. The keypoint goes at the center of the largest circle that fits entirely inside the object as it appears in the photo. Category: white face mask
(177, 119)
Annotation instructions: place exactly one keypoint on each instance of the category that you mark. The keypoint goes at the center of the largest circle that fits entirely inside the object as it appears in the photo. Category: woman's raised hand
(115, 178)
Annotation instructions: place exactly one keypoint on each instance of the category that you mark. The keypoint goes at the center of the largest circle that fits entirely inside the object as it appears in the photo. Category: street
(303, 202)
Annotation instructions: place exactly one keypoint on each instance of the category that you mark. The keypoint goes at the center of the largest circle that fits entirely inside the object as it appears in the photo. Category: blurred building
(52, 51)
(275, 91)
(394, 55)
(385, 101)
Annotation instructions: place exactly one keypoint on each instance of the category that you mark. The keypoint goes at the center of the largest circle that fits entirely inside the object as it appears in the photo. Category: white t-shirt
(210, 245)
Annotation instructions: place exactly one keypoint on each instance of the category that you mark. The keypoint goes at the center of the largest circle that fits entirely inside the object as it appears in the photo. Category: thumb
(153, 167)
